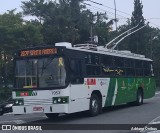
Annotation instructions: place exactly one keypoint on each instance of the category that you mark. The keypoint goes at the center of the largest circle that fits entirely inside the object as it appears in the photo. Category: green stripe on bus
(24, 93)
(111, 90)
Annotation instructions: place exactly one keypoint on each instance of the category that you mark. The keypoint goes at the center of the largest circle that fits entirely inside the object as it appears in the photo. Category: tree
(137, 43)
(58, 19)
(15, 34)
(102, 28)
(32, 34)
(66, 20)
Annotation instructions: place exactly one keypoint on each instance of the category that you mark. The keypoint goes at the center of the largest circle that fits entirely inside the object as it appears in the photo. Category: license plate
(38, 109)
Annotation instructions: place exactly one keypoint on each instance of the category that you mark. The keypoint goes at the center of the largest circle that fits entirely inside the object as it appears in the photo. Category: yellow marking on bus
(108, 70)
(27, 86)
(60, 62)
(119, 71)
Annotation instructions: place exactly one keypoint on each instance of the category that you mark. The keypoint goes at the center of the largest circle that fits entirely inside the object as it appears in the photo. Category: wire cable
(119, 11)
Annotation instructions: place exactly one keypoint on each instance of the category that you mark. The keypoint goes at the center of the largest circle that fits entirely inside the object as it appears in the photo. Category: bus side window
(76, 71)
(139, 68)
(148, 68)
(107, 65)
(119, 66)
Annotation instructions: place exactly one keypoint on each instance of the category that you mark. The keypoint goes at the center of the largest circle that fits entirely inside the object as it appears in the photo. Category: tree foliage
(15, 33)
(67, 20)
(137, 42)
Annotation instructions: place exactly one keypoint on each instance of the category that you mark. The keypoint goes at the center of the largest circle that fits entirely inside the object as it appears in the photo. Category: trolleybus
(65, 79)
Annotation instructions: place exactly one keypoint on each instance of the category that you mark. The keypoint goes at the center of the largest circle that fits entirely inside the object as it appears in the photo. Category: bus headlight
(18, 102)
(61, 100)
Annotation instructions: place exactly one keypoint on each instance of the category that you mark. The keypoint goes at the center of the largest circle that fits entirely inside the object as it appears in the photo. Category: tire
(52, 115)
(139, 100)
(95, 105)
(1, 113)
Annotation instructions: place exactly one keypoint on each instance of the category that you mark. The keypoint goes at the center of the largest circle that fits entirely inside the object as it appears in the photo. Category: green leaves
(15, 33)
(66, 20)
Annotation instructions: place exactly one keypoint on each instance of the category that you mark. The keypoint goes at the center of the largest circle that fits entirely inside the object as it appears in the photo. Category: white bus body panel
(79, 98)
(80, 94)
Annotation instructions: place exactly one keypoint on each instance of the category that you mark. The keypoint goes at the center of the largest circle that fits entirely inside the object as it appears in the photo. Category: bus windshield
(40, 73)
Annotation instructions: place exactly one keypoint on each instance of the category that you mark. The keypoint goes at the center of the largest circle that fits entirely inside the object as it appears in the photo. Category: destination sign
(48, 51)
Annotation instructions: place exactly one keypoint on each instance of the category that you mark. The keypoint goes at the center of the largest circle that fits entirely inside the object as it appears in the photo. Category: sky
(151, 10)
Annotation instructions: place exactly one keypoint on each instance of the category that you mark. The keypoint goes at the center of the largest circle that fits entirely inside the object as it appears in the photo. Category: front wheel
(52, 115)
(1, 113)
(95, 105)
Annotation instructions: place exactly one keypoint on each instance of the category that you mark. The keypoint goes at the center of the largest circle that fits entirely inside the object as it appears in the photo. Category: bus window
(107, 65)
(130, 72)
(138, 64)
(40, 73)
(148, 70)
(139, 72)
(52, 72)
(129, 63)
(76, 71)
(93, 70)
(119, 62)
(92, 59)
(119, 66)
(26, 74)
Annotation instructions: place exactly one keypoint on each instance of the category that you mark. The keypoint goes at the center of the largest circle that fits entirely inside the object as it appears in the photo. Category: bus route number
(56, 92)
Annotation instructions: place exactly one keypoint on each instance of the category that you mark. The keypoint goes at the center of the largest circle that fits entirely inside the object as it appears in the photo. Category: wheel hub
(94, 105)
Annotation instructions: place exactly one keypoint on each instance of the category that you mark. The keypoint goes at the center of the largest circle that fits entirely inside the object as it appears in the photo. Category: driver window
(76, 71)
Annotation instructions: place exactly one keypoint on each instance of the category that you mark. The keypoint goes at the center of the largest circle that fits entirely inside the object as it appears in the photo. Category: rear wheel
(52, 115)
(95, 105)
(139, 100)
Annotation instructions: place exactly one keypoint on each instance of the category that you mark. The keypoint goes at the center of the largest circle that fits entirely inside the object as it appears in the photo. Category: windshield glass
(40, 73)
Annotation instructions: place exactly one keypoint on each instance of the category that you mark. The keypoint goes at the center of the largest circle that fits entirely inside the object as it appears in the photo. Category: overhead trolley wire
(108, 7)
(123, 17)
(106, 11)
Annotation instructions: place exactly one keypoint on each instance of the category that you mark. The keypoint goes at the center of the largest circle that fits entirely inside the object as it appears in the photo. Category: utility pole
(151, 46)
(91, 31)
(115, 13)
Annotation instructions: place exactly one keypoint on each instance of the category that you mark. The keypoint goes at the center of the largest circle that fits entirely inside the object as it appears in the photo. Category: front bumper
(57, 108)
(7, 109)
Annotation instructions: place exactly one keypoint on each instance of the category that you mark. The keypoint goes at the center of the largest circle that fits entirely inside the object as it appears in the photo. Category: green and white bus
(65, 79)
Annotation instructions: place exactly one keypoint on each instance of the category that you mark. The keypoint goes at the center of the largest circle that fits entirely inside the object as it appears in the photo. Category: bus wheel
(139, 100)
(1, 113)
(94, 105)
(52, 115)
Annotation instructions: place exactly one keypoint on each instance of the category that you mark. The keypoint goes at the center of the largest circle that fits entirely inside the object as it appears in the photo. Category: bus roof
(86, 48)
(105, 51)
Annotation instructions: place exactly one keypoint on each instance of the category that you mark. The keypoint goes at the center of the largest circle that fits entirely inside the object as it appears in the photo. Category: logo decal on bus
(26, 93)
(108, 70)
(34, 93)
(103, 81)
(91, 81)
